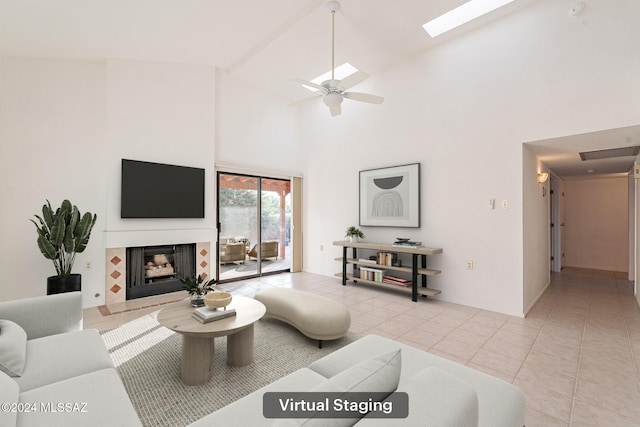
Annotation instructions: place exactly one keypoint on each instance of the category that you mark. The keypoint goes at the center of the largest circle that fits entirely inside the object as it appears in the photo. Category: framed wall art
(390, 197)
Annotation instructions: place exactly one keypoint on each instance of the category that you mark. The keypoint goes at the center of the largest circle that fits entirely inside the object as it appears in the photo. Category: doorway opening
(254, 226)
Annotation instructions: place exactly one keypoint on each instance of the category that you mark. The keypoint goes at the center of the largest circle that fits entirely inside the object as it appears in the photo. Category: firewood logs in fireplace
(160, 266)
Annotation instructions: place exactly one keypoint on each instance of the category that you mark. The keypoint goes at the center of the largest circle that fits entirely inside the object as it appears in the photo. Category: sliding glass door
(254, 226)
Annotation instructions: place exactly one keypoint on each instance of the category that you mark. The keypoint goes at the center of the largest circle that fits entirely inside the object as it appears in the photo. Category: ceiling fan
(333, 91)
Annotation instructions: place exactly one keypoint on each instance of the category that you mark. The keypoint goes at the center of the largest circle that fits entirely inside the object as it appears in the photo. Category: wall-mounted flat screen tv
(156, 190)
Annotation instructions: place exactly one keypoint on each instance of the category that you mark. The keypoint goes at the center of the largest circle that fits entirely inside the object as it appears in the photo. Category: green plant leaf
(83, 231)
(47, 214)
(66, 208)
(70, 243)
(48, 250)
(57, 232)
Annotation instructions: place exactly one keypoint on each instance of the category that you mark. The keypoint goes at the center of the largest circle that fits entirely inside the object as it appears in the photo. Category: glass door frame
(259, 229)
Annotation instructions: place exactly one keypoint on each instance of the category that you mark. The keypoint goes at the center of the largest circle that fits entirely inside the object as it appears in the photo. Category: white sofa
(441, 392)
(55, 373)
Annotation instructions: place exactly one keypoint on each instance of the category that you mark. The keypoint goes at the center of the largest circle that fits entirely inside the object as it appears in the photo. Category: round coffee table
(198, 338)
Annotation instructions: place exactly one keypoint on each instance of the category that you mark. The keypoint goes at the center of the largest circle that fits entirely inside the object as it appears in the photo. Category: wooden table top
(178, 318)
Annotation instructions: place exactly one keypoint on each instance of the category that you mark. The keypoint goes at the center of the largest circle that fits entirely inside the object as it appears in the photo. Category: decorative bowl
(215, 300)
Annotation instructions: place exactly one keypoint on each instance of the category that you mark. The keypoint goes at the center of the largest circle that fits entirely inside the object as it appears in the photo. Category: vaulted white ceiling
(267, 43)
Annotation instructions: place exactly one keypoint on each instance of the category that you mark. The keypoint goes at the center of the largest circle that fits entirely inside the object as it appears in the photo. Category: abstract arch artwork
(390, 196)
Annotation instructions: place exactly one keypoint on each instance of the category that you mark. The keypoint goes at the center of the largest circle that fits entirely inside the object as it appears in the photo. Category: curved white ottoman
(316, 316)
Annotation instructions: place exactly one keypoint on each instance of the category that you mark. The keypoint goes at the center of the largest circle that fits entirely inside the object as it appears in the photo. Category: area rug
(147, 357)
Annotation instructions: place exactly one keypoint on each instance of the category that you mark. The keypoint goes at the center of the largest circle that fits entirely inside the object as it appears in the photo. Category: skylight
(461, 15)
(340, 73)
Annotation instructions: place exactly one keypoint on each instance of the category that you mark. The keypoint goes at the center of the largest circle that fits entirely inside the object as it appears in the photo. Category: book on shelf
(391, 280)
(372, 274)
(206, 315)
(387, 258)
(367, 261)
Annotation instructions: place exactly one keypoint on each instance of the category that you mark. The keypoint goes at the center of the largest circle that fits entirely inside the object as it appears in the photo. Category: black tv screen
(156, 190)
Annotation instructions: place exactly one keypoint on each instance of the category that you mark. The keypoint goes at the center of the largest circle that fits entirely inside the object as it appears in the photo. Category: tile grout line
(584, 333)
(535, 340)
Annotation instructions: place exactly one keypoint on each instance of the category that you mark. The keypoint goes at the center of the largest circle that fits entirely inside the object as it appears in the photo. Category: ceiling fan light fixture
(332, 99)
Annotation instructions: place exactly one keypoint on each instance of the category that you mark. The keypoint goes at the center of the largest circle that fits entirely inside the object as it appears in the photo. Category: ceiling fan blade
(364, 97)
(335, 110)
(353, 79)
(310, 84)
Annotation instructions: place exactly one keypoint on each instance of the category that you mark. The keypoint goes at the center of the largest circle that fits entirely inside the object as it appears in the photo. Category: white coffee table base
(196, 359)
(197, 355)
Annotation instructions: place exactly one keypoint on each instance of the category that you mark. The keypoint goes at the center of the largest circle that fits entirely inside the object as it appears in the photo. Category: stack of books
(387, 258)
(372, 274)
(206, 315)
(390, 280)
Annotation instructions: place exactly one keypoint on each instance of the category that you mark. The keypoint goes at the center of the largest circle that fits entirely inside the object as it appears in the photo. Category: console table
(418, 256)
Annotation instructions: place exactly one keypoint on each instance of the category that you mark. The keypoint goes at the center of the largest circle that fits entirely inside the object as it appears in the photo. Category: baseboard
(535, 300)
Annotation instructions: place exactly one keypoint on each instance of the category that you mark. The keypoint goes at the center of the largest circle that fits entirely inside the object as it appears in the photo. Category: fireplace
(117, 281)
(155, 270)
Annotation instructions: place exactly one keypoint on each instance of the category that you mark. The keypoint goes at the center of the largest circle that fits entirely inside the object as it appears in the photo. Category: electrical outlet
(322, 247)
(88, 265)
(469, 265)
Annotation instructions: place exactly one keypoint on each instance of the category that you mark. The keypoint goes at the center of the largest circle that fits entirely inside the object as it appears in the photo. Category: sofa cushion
(436, 399)
(13, 346)
(500, 403)
(58, 357)
(94, 399)
(249, 409)
(45, 315)
(9, 393)
(378, 374)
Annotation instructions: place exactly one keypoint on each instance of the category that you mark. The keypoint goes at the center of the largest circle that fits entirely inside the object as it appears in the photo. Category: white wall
(596, 222)
(535, 224)
(163, 113)
(257, 130)
(463, 110)
(52, 133)
(64, 127)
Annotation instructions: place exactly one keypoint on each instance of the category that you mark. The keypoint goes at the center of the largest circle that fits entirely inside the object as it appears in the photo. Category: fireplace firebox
(155, 270)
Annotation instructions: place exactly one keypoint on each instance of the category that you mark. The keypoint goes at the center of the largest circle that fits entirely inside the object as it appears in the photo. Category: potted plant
(354, 234)
(62, 234)
(197, 288)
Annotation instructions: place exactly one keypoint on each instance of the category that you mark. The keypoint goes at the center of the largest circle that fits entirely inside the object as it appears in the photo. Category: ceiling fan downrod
(333, 7)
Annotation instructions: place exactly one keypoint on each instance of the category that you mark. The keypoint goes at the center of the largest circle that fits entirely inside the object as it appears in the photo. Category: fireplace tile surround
(116, 270)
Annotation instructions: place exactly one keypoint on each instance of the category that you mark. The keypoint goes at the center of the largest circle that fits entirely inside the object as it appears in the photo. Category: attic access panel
(610, 153)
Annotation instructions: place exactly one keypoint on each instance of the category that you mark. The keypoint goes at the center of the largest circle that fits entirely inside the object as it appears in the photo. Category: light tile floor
(575, 356)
